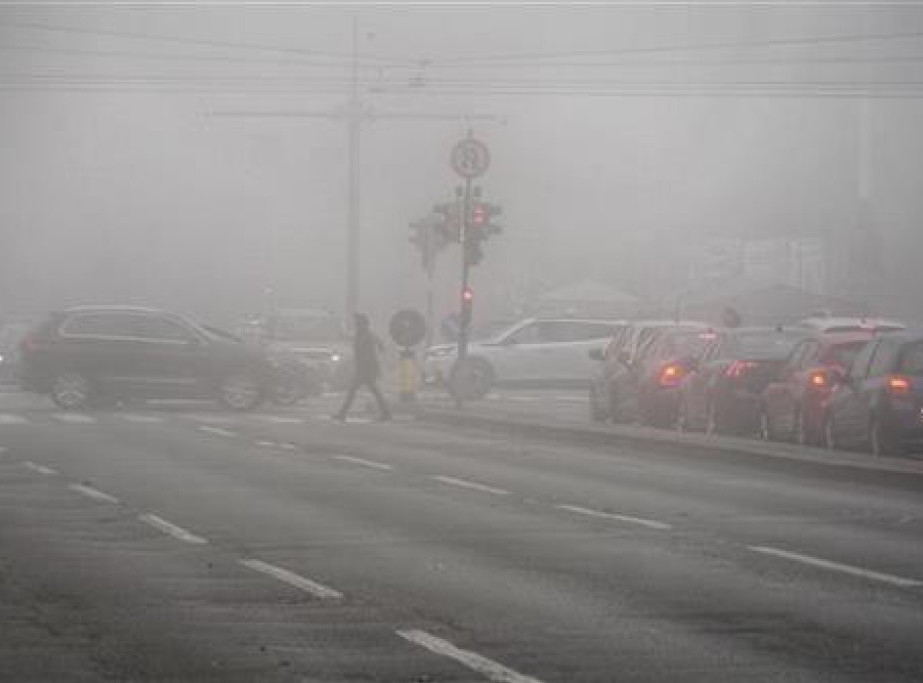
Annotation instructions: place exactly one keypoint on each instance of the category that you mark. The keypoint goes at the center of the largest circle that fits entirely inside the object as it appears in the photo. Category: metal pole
(463, 328)
(353, 196)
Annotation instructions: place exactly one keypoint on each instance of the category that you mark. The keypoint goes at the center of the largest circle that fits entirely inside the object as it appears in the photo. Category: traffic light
(448, 223)
(467, 304)
(479, 221)
(473, 252)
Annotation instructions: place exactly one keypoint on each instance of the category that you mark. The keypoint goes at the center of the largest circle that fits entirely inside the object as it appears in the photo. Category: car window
(860, 364)
(98, 325)
(807, 358)
(912, 359)
(884, 359)
(159, 329)
(528, 334)
(844, 354)
(761, 344)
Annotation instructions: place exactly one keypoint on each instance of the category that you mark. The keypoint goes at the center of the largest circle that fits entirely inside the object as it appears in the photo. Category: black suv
(94, 356)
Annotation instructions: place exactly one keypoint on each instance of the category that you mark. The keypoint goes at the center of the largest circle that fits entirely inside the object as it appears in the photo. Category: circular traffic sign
(407, 327)
(470, 158)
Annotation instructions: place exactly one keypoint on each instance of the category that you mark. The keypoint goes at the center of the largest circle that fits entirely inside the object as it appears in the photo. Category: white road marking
(41, 469)
(75, 418)
(289, 446)
(836, 566)
(599, 514)
(488, 668)
(206, 417)
(316, 589)
(142, 419)
(9, 419)
(280, 419)
(176, 532)
(363, 462)
(464, 483)
(95, 494)
(216, 430)
(267, 444)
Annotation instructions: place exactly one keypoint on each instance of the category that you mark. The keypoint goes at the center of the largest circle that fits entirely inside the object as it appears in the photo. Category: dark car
(613, 391)
(93, 356)
(878, 403)
(662, 369)
(793, 405)
(723, 392)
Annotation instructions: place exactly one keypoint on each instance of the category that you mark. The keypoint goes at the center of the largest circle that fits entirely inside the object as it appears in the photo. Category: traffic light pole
(466, 267)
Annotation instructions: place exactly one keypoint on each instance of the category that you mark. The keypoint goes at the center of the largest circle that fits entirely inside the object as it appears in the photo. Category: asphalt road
(184, 544)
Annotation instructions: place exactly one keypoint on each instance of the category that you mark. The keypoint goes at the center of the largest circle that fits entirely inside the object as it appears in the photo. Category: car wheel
(765, 432)
(682, 417)
(830, 442)
(800, 431)
(711, 421)
(597, 414)
(241, 392)
(286, 394)
(881, 443)
(72, 391)
(473, 379)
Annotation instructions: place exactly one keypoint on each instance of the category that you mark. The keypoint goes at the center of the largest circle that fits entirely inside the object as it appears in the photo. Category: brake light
(671, 375)
(739, 368)
(819, 380)
(899, 385)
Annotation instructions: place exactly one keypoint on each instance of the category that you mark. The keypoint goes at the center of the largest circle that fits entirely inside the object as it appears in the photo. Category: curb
(833, 466)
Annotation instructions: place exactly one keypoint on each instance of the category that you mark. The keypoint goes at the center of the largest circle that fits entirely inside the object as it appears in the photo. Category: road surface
(185, 544)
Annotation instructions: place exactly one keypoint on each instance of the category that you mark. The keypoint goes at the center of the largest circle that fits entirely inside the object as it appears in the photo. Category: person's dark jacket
(366, 347)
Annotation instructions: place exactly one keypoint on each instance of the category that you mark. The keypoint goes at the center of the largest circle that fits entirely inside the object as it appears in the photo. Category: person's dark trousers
(372, 386)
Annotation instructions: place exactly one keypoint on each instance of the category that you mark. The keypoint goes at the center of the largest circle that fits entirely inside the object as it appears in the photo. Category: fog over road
(150, 544)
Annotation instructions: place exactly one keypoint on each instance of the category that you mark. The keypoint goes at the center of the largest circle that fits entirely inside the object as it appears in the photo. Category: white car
(531, 352)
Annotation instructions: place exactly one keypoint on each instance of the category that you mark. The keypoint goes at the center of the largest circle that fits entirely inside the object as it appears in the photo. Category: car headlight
(335, 358)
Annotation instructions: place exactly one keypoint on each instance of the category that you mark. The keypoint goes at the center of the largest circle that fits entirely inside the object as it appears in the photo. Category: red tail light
(671, 375)
(739, 368)
(819, 380)
(899, 385)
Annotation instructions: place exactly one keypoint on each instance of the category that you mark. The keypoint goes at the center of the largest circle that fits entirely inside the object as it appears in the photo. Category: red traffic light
(479, 216)
(467, 295)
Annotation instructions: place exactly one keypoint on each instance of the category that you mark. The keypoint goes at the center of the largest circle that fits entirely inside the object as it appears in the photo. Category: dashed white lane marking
(171, 529)
(216, 430)
(488, 668)
(267, 444)
(836, 566)
(464, 483)
(316, 589)
(288, 446)
(375, 465)
(142, 419)
(280, 419)
(75, 418)
(599, 514)
(10, 419)
(41, 469)
(207, 417)
(95, 494)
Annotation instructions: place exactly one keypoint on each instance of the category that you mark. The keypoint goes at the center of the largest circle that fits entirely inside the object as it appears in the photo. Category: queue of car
(822, 381)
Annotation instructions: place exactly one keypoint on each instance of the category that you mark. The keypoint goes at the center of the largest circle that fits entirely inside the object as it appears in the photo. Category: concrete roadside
(541, 422)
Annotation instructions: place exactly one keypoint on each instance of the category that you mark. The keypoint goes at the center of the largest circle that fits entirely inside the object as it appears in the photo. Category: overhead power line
(199, 42)
(689, 47)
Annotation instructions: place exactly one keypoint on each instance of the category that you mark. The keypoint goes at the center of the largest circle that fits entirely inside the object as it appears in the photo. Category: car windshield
(843, 354)
(768, 344)
(690, 343)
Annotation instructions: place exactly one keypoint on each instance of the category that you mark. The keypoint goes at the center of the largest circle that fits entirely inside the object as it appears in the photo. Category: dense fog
(144, 158)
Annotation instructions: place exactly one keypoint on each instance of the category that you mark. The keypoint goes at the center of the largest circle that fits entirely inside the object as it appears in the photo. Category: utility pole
(356, 113)
(354, 197)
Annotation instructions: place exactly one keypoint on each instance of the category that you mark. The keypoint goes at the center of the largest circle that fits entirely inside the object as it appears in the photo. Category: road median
(834, 465)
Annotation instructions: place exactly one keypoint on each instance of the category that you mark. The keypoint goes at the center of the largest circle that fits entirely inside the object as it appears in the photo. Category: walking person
(366, 349)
